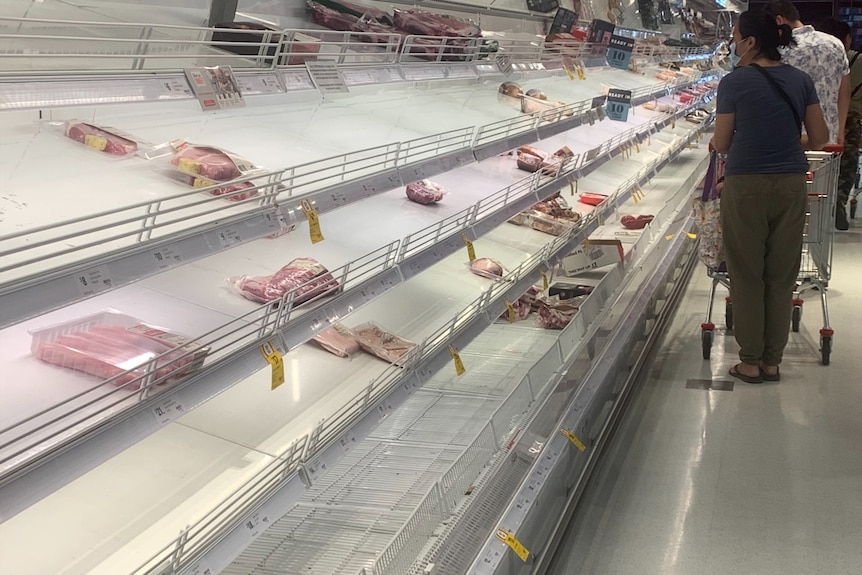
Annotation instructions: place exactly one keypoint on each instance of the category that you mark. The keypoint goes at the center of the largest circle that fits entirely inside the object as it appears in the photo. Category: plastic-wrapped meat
(556, 316)
(366, 25)
(356, 10)
(338, 340)
(379, 342)
(306, 275)
(332, 19)
(531, 151)
(234, 192)
(425, 192)
(549, 225)
(101, 140)
(557, 207)
(427, 23)
(529, 163)
(487, 268)
(207, 162)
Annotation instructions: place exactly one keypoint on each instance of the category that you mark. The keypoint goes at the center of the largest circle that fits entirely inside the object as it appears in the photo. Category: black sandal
(770, 376)
(746, 378)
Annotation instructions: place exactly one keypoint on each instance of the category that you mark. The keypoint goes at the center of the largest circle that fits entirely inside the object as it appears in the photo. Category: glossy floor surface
(759, 480)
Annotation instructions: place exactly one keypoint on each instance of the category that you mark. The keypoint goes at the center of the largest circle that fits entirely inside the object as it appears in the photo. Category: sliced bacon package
(111, 344)
(307, 276)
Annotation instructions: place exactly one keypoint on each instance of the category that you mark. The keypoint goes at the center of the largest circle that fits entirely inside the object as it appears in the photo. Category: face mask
(734, 57)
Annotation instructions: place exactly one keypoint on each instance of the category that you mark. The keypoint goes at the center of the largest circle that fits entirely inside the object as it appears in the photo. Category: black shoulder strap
(781, 93)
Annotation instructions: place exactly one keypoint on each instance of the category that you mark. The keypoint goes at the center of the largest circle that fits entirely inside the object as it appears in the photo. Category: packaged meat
(531, 151)
(205, 166)
(591, 198)
(425, 192)
(537, 94)
(636, 222)
(107, 140)
(338, 340)
(110, 344)
(487, 268)
(510, 89)
(356, 10)
(306, 277)
(332, 19)
(554, 313)
(425, 23)
(556, 206)
(385, 345)
(549, 225)
(529, 163)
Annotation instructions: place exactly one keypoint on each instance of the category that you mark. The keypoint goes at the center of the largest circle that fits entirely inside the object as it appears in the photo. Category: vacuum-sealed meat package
(425, 192)
(425, 23)
(338, 340)
(107, 140)
(205, 166)
(385, 345)
(487, 268)
(111, 344)
(554, 313)
(307, 276)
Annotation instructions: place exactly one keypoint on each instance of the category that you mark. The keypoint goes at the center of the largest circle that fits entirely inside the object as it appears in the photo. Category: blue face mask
(734, 59)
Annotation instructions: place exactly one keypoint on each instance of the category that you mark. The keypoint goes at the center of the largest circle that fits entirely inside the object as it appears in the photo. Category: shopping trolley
(815, 268)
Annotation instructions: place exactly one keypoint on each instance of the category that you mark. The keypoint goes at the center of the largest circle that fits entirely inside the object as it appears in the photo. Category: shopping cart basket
(816, 258)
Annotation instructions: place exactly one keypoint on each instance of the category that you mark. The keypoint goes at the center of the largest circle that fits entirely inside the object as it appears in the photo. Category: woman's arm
(815, 127)
(724, 132)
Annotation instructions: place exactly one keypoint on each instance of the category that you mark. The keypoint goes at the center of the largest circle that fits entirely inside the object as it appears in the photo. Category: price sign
(513, 543)
(598, 102)
(327, 77)
(167, 410)
(620, 52)
(564, 21)
(256, 524)
(471, 251)
(313, 222)
(510, 312)
(167, 257)
(93, 281)
(504, 63)
(271, 354)
(574, 439)
(600, 32)
(229, 237)
(456, 358)
(544, 281)
(619, 102)
(297, 80)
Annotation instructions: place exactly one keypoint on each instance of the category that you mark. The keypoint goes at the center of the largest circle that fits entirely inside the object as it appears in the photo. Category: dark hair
(769, 35)
(783, 8)
(835, 28)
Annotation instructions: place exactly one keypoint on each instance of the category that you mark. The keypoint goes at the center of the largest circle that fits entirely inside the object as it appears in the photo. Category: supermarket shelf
(483, 315)
(124, 244)
(234, 344)
(391, 469)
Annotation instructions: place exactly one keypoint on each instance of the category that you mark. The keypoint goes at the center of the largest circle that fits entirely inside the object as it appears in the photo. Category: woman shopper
(761, 107)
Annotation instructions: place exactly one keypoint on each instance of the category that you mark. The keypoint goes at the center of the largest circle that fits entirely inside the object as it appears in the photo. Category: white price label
(504, 63)
(338, 199)
(315, 468)
(347, 443)
(327, 77)
(229, 237)
(359, 77)
(167, 257)
(257, 524)
(297, 80)
(416, 73)
(175, 88)
(381, 183)
(202, 569)
(461, 72)
(417, 172)
(94, 280)
(168, 410)
(266, 84)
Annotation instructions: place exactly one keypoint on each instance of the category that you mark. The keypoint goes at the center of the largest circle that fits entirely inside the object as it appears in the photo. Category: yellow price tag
(510, 310)
(471, 251)
(574, 439)
(673, 124)
(189, 165)
(271, 354)
(456, 357)
(513, 543)
(544, 281)
(637, 195)
(638, 148)
(581, 74)
(202, 183)
(569, 73)
(313, 222)
(691, 236)
(669, 237)
(96, 142)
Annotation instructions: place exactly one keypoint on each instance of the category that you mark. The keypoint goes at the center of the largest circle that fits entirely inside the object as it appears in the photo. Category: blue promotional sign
(620, 52)
(618, 104)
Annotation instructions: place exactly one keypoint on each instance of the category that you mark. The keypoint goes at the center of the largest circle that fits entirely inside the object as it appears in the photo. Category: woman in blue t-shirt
(761, 107)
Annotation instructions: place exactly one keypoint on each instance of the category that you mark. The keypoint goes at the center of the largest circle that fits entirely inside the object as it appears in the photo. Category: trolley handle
(833, 148)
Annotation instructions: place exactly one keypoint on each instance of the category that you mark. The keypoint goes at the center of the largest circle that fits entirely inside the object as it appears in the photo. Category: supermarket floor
(759, 480)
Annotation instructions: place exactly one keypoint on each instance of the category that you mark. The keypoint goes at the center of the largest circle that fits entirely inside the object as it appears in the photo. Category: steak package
(204, 166)
(110, 344)
(338, 340)
(385, 345)
(425, 23)
(487, 268)
(102, 139)
(348, 20)
(556, 313)
(306, 275)
(425, 192)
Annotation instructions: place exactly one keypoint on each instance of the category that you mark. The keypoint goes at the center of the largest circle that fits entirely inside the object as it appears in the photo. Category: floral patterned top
(822, 57)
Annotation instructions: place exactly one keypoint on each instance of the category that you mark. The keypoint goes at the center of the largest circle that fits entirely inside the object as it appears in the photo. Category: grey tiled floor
(759, 480)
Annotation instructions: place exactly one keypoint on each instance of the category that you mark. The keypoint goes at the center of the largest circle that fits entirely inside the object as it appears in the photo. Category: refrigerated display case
(232, 448)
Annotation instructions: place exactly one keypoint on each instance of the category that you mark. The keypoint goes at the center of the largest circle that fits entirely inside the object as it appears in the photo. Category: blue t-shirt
(766, 139)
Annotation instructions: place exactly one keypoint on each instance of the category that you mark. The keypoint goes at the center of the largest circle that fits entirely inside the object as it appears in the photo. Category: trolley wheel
(825, 348)
(706, 341)
(796, 318)
(728, 315)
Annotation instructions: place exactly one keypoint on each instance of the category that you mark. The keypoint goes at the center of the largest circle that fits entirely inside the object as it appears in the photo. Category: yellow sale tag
(456, 357)
(96, 142)
(510, 309)
(669, 237)
(691, 235)
(574, 439)
(313, 222)
(638, 148)
(271, 354)
(189, 165)
(544, 281)
(673, 124)
(471, 251)
(581, 74)
(513, 543)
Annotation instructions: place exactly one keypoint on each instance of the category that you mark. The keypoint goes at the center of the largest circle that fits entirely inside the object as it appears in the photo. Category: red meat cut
(101, 140)
(425, 192)
(427, 23)
(208, 162)
(305, 275)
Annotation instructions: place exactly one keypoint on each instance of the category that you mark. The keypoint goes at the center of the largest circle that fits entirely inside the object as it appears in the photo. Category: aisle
(762, 479)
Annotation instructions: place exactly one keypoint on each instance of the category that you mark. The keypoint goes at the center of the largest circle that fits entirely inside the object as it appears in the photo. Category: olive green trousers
(762, 219)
